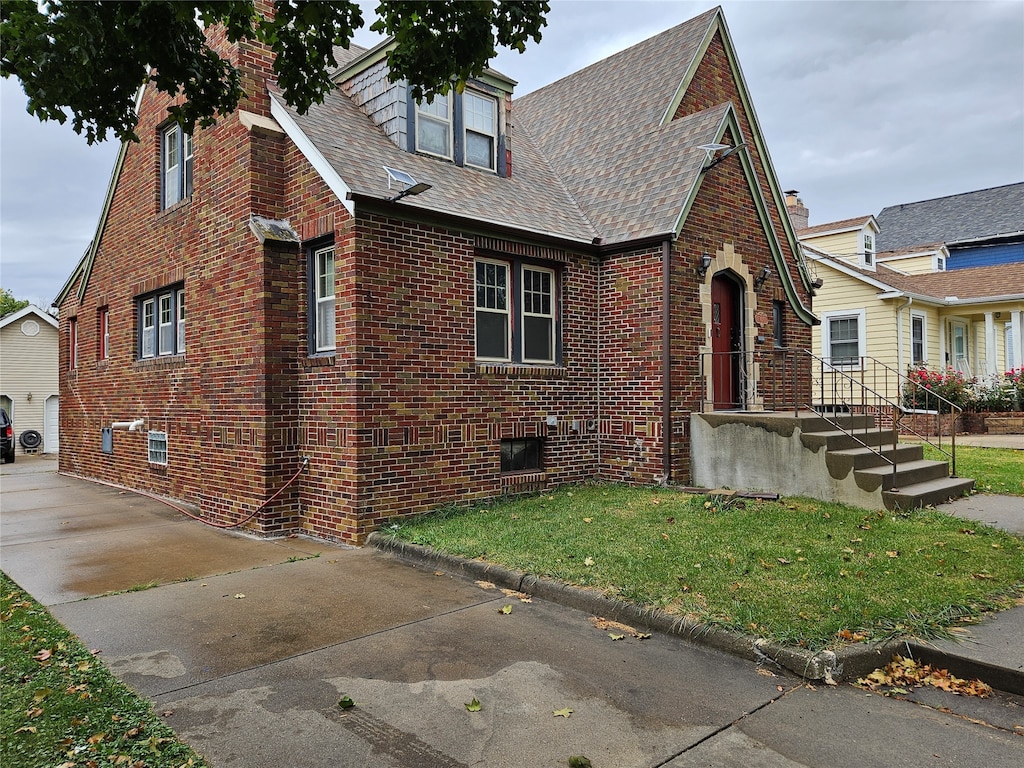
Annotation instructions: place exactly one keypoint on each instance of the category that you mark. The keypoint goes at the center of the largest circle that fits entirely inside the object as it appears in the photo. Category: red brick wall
(713, 84)
(213, 401)
(400, 418)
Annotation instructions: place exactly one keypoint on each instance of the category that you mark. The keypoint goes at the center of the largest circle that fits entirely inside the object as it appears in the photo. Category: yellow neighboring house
(968, 319)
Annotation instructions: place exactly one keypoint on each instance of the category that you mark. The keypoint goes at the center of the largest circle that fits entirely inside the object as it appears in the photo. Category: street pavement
(246, 645)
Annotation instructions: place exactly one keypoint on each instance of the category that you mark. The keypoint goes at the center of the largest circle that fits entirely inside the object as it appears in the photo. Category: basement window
(521, 455)
(158, 448)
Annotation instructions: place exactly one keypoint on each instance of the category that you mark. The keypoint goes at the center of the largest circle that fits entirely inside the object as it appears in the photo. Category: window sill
(164, 361)
(519, 370)
(523, 481)
(322, 360)
(172, 209)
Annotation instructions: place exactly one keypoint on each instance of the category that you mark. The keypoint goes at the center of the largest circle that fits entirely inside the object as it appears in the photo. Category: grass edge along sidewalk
(62, 708)
(813, 585)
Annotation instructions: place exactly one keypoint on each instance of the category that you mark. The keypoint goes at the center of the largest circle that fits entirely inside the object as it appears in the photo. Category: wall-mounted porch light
(760, 279)
(703, 265)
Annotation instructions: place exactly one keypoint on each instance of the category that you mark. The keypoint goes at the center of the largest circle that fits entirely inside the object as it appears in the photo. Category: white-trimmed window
(918, 338)
(157, 447)
(73, 343)
(538, 303)
(103, 333)
(162, 323)
(516, 312)
(323, 331)
(165, 317)
(869, 250)
(940, 264)
(493, 318)
(175, 165)
(842, 340)
(181, 320)
(434, 126)
(480, 119)
(462, 127)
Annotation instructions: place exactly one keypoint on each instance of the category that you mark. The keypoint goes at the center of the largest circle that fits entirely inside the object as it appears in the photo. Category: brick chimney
(798, 214)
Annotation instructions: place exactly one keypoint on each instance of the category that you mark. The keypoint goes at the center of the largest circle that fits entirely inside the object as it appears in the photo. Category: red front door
(725, 342)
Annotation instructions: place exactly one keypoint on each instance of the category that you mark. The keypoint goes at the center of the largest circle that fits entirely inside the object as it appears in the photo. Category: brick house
(537, 316)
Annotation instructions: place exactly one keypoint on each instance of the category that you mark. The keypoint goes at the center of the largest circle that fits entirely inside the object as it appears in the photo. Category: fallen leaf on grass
(588, 561)
(43, 655)
(562, 712)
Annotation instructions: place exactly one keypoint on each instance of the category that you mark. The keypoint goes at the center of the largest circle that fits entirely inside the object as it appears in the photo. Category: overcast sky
(862, 105)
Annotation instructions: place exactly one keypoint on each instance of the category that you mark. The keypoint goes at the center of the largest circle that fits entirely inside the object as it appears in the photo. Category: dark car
(6, 437)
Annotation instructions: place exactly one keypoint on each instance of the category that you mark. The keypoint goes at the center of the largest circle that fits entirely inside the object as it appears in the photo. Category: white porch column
(991, 358)
(1017, 334)
(943, 360)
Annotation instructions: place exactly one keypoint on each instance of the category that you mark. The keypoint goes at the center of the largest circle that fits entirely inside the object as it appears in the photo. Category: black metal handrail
(791, 379)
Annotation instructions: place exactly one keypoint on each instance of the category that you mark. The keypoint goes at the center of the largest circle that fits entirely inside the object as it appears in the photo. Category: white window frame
(940, 264)
(324, 329)
(161, 323)
(157, 447)
(176, 161)
(180, 322)
(148, 322)
(869, 250)
(165, 324)
(439, 113)
(72, 344)
(923, 318)
(506, 311)
(471, 125)
(550, 315)
(826, 335)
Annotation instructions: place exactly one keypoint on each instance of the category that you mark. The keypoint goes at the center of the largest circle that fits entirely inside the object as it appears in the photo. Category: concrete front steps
(913, 482)
(805, 454)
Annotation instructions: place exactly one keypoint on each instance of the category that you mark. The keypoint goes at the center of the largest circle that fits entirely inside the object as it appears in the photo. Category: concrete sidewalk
(246, 645)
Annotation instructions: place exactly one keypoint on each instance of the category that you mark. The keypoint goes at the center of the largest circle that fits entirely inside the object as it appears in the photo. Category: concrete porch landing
(804, 455)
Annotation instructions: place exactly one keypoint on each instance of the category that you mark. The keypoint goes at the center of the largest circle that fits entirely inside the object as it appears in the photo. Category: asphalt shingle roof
(590, 156)
(957, 218)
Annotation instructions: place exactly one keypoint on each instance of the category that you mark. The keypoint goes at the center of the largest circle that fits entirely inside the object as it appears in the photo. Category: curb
(829, 666)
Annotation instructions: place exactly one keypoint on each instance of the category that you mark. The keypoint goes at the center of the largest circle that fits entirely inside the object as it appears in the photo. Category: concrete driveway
(245, 646)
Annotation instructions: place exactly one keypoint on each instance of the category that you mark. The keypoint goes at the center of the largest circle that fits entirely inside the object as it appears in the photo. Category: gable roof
(987, 213)
(1001, 282)
(598, 157)
(31, 309)
(837, 226)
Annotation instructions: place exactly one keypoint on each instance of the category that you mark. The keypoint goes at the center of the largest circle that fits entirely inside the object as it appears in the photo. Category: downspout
(899, 334)
(666, 362)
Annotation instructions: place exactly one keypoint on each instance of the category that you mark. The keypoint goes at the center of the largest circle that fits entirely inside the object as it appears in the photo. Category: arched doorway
(726, 341)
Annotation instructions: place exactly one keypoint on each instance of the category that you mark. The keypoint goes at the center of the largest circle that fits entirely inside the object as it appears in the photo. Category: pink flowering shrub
(929, 390)
(1002, 393)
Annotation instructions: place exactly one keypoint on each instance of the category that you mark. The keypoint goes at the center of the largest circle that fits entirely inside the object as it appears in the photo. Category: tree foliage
(10, 304)
(87, 59)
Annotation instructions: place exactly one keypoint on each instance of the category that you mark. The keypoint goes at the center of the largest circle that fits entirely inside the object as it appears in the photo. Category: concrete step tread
(927, 492)
(904, 466)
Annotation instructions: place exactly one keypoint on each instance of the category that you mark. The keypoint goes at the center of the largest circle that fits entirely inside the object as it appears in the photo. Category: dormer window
(462, 127)
(869, 250)
(940, 264)
(434, 127)
(480, 116)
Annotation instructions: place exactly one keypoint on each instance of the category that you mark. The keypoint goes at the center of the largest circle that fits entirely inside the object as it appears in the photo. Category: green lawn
(995, 470)
(797, 571)
(62, 708)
